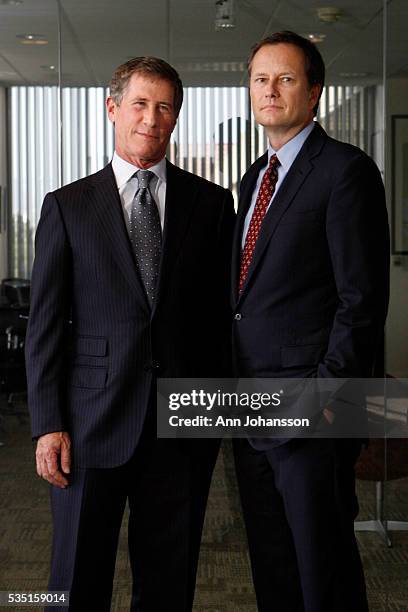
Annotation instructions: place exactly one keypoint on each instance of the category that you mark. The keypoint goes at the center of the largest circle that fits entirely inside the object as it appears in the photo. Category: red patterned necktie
(265, 193)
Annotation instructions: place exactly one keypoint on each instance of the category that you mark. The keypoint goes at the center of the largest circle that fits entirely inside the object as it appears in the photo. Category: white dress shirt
(128, 185)
(286, 155)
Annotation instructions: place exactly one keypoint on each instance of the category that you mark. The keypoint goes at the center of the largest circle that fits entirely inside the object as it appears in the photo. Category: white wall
(397, 325)
(3, 180)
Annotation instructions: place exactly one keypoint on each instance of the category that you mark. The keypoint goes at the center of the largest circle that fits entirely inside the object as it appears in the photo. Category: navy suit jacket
(315, 299)
(93, 344)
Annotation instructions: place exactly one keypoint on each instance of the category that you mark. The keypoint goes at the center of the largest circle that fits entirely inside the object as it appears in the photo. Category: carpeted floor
(223, 582)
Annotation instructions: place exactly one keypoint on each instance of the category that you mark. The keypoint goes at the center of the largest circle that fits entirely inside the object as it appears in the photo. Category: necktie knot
(144, 177)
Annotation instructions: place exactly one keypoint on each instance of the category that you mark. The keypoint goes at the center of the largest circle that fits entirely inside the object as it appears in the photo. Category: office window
(216, 137)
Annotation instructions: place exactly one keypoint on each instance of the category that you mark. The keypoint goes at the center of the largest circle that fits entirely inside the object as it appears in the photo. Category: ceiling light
(51, 67)
(199, 66)
(353, 75)
(315, 38)
(224, 14)
(329, 14)
(32, 39)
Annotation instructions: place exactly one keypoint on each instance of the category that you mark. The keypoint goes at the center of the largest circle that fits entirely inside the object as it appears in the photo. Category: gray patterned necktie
(145, 233)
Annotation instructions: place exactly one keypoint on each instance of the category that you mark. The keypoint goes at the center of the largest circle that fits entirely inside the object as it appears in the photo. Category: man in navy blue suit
(130, 281)
(310, 293)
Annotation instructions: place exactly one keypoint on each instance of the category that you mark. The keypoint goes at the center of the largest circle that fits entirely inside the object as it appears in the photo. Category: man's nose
(150, 117)
(272, 90)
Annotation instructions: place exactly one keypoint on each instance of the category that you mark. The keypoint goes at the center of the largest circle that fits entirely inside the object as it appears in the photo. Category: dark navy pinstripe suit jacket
(93, 377)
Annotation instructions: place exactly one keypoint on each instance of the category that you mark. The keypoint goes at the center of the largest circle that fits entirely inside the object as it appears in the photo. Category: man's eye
(164, 107)
(286, 79)
(260, 80)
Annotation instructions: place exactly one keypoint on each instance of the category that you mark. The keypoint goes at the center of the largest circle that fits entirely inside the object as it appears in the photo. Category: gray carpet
(223, 582)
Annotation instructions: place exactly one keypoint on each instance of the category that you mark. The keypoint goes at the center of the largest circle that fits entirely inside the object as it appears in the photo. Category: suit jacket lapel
(107, 208)
(290, 186)
(180, 204)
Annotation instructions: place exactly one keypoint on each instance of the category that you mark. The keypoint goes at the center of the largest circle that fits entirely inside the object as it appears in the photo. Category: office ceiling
(97, 35)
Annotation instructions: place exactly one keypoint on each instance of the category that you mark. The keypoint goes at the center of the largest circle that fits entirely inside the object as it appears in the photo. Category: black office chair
(13, 383)
(383, 460)
(16, 291)
(12, 370)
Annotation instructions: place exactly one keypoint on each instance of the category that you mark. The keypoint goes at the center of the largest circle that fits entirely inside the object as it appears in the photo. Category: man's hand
(329, 415)
(53, 457)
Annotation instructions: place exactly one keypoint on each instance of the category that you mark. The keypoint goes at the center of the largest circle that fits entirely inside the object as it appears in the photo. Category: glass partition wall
(396, 354)
(55, 131)
(29, 133)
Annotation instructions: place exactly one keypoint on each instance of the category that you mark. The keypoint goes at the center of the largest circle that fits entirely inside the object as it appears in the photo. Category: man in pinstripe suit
(101, 330)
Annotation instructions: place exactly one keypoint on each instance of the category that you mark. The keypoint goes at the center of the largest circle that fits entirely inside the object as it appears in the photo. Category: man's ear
(111, 108)
(314, 94)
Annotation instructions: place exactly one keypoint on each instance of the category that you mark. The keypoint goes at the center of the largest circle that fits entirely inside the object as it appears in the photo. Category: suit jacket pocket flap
(88, 377)
(91, 345)
(302, 355)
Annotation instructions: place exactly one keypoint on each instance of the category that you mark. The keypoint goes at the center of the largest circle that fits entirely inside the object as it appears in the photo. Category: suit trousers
(166, 483)
(299, 507)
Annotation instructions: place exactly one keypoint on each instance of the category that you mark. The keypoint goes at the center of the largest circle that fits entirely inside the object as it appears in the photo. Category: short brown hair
(314, 64)
(153, 66)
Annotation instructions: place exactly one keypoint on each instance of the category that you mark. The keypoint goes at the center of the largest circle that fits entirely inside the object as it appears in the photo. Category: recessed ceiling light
(32, 39)
(315, 38)
(353, 75)
(51, 67)
(329, 14)
(219, 66)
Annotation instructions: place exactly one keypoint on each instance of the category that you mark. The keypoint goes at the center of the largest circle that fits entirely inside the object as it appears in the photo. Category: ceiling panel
(97, 35)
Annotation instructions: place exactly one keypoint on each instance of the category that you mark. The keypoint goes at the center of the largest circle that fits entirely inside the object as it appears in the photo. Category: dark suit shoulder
(339, 163)
(342, 163)
(332, 152)
(338, 151)
(76, 188)
(197, 181)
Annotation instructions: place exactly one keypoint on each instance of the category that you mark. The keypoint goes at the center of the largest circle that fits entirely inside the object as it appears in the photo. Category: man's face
(144, 120)
(282, 99)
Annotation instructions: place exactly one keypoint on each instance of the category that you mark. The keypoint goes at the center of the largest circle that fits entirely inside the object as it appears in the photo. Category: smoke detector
(329, 14)
(224, 15)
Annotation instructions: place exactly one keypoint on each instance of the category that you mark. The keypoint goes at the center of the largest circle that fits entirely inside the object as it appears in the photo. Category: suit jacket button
(155, 365)
(238, 316)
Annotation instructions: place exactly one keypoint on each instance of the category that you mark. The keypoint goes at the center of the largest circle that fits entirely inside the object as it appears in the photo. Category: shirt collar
(289, 151)
(124, 170)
